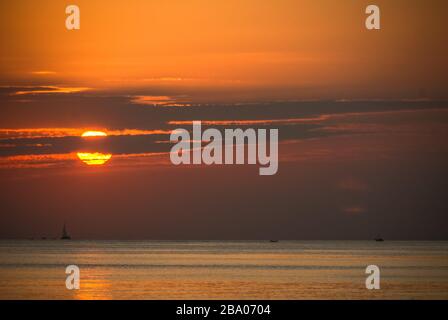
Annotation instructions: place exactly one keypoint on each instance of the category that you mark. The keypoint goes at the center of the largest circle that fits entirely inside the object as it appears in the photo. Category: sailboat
(65, 235)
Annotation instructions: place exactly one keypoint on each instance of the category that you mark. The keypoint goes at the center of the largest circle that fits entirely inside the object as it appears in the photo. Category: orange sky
(362, 118)
(309, 49)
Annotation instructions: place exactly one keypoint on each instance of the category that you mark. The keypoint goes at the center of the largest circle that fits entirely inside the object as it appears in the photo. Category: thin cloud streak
(62, 160)
(43, 73)
(50, 90)
(159, 101)
(253, 122)
(26, 133)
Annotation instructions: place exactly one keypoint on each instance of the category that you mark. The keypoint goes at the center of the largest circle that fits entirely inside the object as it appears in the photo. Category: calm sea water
(223, 269)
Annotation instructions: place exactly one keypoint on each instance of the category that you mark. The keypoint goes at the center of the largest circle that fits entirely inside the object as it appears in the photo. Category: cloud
(49, 90)
(137, 130)
(254, 122)
(26, 133)
(43, 73)
(156, 101)
(35, 161)
(63, 160)
(115, 144)
(165, 79)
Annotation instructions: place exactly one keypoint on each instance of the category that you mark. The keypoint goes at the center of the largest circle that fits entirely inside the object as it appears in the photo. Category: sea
(36, 269)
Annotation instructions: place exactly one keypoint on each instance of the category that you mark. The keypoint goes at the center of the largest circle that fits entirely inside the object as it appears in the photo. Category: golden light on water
(94, 134)
(95, 158)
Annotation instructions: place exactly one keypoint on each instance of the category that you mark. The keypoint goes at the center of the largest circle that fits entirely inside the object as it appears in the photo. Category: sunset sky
(362, 118)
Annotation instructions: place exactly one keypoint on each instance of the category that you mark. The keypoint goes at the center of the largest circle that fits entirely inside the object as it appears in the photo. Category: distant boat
(273, 240)
(65, 235)
(379, 239)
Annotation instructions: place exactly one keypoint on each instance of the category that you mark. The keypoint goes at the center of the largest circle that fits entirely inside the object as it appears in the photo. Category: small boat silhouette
(273, 240)
(65, 235)
(379, 239)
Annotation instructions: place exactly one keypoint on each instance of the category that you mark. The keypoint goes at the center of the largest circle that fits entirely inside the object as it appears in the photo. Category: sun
(94, 134)
(94, 158)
